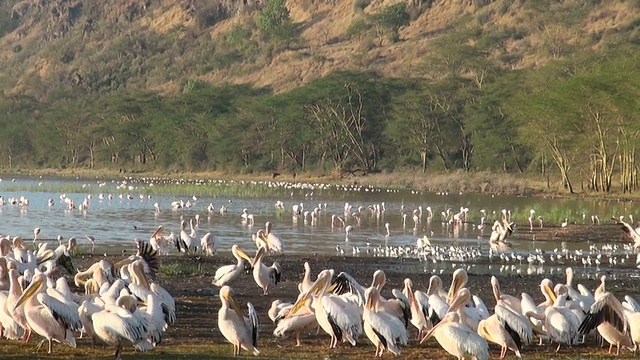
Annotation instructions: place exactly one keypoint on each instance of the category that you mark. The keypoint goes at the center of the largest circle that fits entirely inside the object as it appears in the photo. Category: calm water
(117, 222)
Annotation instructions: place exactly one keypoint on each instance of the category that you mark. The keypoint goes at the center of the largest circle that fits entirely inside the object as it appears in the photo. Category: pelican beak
(143, 303)
(460, 300)
(29, 292)
(261, 252)
(453, 290)
(244, 255)
(550, 292)
(158, 231)
(48, 255)
(316, 288)
(233, 304)
(433, 329)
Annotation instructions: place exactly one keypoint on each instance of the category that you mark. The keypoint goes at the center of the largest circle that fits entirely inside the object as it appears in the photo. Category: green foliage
(358, 27)
(393, 17)
(275, 22)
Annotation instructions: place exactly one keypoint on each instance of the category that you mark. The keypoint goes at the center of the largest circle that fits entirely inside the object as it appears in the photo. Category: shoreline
(454, 182)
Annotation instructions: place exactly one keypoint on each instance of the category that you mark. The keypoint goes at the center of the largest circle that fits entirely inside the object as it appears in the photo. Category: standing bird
(207, 244)
(228, 273)
(265, 276)
(36, 234)
(240, 331)
(48, 316)
(457, 339)
(634, 234)
(384, 330)
(93, 242)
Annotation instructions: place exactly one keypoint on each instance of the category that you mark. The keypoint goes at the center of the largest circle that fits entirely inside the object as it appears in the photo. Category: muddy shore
(188, 278)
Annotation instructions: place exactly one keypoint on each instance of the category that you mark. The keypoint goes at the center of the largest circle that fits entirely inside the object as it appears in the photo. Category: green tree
(275, 22)
(391, 19)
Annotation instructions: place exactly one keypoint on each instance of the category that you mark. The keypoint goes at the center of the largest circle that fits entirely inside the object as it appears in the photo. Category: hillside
(104, 46)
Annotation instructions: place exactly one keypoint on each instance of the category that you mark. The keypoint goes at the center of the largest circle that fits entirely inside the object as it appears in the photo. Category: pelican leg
(610, 346)
(503, 352)
(298, 343)
(618, 350)
(236, 350)
(50, 346)
(40, 345)
(558, 348)
(118, 352)
(27, 335)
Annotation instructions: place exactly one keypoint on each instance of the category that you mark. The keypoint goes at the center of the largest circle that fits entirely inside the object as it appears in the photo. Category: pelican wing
(468, 341)
(298, 321)
(224, 271)
(406, 307)
(633, 304)
(120, 323)
(150, 257)
(253, 323)
(516, 324)
(608, 308)
(62, 312)
(387, 328)
(346, 284)
(343, 316)
(167, 302)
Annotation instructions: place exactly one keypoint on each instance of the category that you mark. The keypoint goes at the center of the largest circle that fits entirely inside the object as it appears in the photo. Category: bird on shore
(239, 330)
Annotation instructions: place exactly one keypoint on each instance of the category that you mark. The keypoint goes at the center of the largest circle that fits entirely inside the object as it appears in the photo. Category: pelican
(382, 328)
(336, 316)
(457, 339)
(36, 234)
(458, 280)
(493, 330)
(501, 230)
(560, 323)
(511, 301)
(161, 243)
(303, 320)
(118, 325)
(610, 318)
(265, 276)
(228, 273)
(240, 331)
(634, 234)
(47, 316)
(306, 280)
(207, 244)
(419, 315)
(186, 241)
(274, 242)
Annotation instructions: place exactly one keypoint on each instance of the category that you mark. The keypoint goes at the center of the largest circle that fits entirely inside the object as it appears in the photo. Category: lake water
(130, 214)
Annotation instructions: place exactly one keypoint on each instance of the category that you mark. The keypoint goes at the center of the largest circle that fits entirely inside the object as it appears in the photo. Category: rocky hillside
(102, 46)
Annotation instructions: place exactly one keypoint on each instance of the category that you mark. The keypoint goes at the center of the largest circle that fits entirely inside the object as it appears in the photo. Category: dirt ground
(188, 279)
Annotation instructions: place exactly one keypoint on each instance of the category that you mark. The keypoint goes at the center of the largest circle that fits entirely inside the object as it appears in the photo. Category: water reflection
(117, 213)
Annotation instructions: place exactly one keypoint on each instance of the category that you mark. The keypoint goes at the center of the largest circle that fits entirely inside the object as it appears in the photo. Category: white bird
(457, 339)
(265, 276)
(337, 317)
(240, 331)
(92, 240)
(118, 325)
(228, 273)
(207, 244)
(384, 330)
(47, 316)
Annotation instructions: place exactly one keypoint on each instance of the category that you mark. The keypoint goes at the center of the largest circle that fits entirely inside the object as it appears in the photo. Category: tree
(274, 21)
(391, 19)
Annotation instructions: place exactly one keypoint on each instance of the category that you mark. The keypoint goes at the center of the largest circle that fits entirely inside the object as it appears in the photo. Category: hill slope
(106, 46)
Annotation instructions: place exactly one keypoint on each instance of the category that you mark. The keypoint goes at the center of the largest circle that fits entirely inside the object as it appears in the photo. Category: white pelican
(15, 292)
(634, 234)
(561, 325)
(240, 331)
(306, 280)
(48, 316)
(458, 280)
(162, 243)
(382, 329)
(458, 340)
(265, 276)
(610, 318)
(118, 325)
(511, 301)
(302, 321)
(228, 273)
(500, 230)
(187, 241)
(141, 288)
(493, 330)
(419, 311)
(207, 244)
(583, 296)
(274, 242)
(336, 316)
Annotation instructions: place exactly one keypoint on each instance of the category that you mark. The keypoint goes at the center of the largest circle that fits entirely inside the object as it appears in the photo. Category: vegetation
(521, 88)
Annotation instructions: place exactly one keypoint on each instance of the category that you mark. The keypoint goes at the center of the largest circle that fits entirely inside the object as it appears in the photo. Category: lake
(130, 214)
